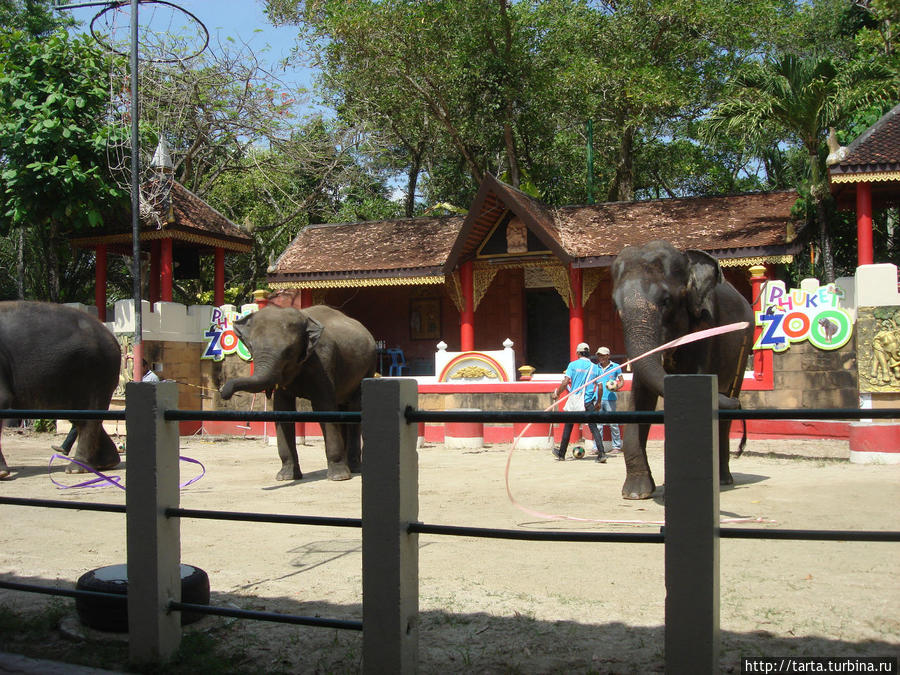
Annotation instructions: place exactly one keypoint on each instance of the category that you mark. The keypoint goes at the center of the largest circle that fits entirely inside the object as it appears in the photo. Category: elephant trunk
(642, 335)
(264, 378)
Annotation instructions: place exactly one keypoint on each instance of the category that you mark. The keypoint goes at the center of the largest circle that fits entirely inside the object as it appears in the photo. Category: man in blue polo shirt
(609, 383)
(582, 396)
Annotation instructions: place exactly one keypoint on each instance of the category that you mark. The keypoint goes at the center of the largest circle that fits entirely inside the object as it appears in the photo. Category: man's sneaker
(559, 457)
(601, 457)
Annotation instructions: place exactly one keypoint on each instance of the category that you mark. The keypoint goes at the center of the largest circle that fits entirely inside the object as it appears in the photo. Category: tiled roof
(737, 226)
(713, 224)
(413, 246)
(877, 149)
(194, 214)
(192, 221)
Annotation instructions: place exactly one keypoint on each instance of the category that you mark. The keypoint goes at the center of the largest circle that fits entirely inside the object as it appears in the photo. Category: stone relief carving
(878, 349)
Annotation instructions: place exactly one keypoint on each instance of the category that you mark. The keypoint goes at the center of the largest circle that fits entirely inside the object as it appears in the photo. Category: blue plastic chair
(398, 362)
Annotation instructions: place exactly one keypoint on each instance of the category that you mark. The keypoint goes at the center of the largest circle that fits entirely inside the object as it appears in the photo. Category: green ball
(578, 452)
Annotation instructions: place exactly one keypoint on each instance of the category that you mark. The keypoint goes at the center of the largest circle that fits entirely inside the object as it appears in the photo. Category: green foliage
(52, 96)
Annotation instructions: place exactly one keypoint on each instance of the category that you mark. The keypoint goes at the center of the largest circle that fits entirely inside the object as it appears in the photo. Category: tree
(52, 161)
(796, 99)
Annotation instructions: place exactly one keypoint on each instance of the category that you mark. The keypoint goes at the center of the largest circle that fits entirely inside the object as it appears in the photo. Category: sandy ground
(491, 606)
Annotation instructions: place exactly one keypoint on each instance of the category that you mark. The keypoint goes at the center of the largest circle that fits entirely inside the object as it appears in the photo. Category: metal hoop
(120, 3)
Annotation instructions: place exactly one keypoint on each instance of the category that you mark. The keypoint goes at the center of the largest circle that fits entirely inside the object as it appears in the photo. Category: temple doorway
(546, 331)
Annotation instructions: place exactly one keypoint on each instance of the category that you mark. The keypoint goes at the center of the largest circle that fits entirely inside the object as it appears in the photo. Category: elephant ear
(313, 334)
(705, 274)
(242, 328)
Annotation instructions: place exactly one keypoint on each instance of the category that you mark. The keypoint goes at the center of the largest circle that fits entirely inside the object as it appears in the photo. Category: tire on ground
(111, 614)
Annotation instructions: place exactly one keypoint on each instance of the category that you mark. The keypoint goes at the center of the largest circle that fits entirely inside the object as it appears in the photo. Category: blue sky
(242, 20)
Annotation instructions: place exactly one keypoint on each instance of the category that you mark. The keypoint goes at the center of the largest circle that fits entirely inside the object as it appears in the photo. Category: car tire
(111, 614)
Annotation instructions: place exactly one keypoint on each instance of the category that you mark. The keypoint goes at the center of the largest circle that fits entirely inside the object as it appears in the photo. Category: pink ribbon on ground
(116, 481)
(685, 339)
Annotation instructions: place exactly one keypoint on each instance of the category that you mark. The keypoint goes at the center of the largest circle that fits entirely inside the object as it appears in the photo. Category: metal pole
(136, 198)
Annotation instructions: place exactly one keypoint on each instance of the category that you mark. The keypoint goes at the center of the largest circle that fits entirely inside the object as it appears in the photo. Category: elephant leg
(336, 452)
(4, 468)
(639, 482)
(4, 403)
(286, 436)
(93, 448)
(725, 477)
(353, 434)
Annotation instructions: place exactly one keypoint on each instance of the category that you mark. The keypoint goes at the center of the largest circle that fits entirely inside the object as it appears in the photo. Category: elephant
(54, 357)
(317, 353)
(661, 294)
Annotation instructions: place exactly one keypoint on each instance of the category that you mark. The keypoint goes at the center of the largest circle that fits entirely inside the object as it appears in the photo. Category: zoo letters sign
(799, 314)
(222, 338)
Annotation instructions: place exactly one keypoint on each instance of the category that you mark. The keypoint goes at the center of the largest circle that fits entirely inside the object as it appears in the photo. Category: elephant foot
(77, 468)
(638, 487)
(289, 473)
(338, 471)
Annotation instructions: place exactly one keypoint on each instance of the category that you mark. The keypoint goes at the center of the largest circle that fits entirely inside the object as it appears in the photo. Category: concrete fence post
(390, 501)
(154, 543)
(692, 524)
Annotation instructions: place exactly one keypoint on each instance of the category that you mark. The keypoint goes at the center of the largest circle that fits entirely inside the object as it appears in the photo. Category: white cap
(603, 350)
(582, 347)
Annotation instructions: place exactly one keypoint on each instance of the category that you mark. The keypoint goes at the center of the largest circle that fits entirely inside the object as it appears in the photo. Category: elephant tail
(743, 442)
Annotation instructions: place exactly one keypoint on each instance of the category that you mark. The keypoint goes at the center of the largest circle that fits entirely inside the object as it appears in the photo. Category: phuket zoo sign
(222, 340)
(797, 314)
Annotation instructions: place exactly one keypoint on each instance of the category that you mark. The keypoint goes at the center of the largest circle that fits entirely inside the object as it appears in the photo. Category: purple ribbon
(115, 481)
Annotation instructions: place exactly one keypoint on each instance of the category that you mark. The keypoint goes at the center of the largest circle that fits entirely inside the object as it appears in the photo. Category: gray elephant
(318, 354)
(662, 294)
(54, 357)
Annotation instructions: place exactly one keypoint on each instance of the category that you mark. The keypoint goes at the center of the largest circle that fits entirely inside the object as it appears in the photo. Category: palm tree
(796, 99)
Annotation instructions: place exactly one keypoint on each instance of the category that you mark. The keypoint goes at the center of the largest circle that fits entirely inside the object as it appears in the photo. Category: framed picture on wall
(425, 319)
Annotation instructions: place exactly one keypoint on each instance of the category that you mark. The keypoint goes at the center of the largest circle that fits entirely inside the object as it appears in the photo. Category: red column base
(872, 443)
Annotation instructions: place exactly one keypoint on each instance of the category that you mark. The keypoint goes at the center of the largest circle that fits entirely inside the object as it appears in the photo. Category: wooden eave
(874, 158)
(493, 200)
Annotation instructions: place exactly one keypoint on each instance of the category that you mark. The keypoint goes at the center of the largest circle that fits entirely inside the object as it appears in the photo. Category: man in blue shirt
(609, 383)
(582, 396)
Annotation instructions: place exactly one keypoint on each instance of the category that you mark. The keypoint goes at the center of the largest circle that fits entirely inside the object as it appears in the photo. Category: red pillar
(219, 293)
(576, 311)
(165, 275)
(762, 358)
(467, 316)
(154, 271)
(865, 251)
(305, 298)
(100, 281)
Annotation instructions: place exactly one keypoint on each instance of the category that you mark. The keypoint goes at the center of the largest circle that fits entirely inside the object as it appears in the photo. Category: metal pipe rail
(342, 624)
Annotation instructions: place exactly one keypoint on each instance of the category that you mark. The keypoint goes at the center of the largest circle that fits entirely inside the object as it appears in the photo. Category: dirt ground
(493, 606)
